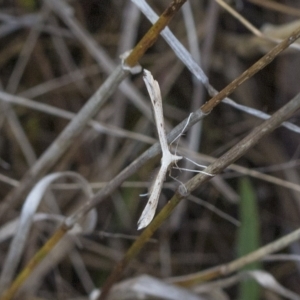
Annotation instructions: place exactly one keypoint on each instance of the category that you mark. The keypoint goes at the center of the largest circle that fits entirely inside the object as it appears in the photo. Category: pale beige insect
(167, 160)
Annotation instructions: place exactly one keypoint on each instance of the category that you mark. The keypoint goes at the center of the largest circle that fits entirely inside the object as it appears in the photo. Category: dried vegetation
(54, 57)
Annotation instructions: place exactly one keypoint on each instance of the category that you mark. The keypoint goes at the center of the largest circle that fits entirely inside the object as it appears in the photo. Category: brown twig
(237, 264)
(260, 64)
(215, 168)
(220, 164)
(62, 143)
(293, 11)
(151, 36)
(39, 256)
(146, 42)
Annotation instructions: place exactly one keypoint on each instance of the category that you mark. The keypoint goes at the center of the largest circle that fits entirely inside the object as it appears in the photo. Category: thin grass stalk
(237, 264)
(151, 152)
(39, 256)
(215, 168)
(148, 232)
(58, 112)
(13, 84)
(65, 139)
(259, 65)
(98, 53)
(195, 69)
(194, 118)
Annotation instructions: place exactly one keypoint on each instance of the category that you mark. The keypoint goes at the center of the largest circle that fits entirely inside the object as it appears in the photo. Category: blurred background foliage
(60, 72)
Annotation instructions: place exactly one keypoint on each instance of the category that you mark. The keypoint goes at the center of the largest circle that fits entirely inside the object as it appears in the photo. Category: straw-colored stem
(39, 256)
(64, 140)
(237, 264)
(153, 33)
(215, 168)
(259, 65)
(138, 244)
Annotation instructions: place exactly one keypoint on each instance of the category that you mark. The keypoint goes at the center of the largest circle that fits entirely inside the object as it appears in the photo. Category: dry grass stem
(74, 105)
(215, 168)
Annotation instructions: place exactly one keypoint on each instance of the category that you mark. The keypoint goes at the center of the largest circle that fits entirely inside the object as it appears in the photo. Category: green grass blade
(248, 236)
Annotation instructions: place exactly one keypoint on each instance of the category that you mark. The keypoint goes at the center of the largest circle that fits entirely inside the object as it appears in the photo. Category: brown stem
(39, 256)
(215, 168)
(260, 64)
(153, 33)
(237, 264)
(146, 42)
